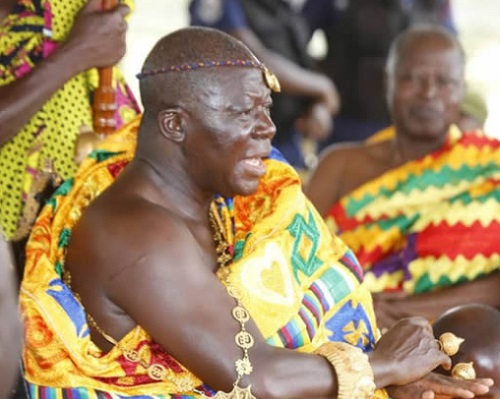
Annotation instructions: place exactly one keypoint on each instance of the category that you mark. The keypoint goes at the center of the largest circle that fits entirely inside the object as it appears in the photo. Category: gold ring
(449, 343)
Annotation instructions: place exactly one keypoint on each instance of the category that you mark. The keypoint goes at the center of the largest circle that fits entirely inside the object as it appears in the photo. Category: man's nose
(265, 127)
(428, 86)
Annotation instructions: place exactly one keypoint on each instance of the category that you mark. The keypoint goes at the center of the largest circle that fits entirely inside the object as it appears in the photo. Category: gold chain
(244, 340)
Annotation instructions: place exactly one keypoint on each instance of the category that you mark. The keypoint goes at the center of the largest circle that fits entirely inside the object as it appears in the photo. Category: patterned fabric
(429, 223)
(301, 285)
(28, 35)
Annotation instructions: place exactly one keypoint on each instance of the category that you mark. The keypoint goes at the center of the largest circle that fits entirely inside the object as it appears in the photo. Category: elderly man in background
(418, 203)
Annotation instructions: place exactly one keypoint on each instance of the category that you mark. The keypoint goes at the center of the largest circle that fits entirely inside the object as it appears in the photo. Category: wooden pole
(104, 101)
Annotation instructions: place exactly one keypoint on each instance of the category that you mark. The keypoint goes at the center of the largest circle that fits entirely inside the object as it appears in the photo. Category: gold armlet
(354, 374)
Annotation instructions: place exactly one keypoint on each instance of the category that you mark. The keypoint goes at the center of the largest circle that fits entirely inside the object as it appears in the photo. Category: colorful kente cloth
(429, 223)
(301, 286)
(29, 34)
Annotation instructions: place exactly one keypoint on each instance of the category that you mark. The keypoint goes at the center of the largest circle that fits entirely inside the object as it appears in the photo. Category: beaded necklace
(222, 223)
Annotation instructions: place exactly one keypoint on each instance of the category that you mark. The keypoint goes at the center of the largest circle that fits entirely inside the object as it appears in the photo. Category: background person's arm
(391, 307)
(293, 78)
(96, 40)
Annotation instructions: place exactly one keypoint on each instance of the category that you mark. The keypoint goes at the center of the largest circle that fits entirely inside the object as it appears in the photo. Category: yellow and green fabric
(301, 286)
(28, 35)
(430, 223)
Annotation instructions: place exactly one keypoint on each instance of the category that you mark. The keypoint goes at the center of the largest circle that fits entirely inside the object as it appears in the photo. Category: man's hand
(434, 386)
(330, 96)
(317, 123)
(98, 38)
(406, 353)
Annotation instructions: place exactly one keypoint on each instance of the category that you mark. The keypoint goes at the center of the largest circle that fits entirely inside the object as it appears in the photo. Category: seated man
(419, 203)
(479, 326)
(235, 279)
(10, 328)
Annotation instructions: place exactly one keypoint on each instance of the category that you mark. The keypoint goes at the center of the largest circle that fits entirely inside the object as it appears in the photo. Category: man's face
(425, 88)
(230, 131)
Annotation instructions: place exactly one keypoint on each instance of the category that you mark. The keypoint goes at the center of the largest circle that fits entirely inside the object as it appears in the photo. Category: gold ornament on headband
(271, 80)
(449, 343)
(464, 371)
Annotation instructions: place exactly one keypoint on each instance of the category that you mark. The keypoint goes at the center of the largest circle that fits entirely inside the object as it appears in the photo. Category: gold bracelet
(354, 374)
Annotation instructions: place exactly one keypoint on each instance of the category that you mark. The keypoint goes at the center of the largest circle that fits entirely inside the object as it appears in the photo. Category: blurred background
(477, 23)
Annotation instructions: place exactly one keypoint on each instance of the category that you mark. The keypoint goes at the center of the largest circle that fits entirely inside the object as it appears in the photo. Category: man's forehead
(233, 86)
(449, 57)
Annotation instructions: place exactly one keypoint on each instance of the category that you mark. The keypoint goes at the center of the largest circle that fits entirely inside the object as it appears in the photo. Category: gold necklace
(222, 226)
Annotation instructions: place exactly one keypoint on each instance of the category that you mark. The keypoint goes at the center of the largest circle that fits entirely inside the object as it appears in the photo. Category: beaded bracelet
(354, 374)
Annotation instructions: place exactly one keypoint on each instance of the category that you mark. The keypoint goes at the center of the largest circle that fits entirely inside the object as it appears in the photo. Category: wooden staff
(104, 102)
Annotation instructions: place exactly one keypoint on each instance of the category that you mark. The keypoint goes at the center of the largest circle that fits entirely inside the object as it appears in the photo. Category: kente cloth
(28, 35)
(300, 285)
(430, 223)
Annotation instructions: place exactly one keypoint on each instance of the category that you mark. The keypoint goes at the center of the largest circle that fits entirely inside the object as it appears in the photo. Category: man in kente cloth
(419, 203)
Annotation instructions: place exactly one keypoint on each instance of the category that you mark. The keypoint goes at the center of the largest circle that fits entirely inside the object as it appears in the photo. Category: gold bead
(450, 343)
(464, 371)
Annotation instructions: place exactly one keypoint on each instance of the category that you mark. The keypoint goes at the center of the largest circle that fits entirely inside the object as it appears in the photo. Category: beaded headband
(269, 77)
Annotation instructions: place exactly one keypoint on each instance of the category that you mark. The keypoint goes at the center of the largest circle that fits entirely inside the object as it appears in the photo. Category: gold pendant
(449, 343)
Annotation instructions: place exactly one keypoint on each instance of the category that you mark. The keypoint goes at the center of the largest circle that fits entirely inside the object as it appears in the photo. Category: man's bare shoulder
(352, 151)
(344, 167)
(117, 230)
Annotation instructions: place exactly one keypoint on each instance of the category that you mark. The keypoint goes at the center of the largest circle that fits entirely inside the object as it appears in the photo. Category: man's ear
(172, 125)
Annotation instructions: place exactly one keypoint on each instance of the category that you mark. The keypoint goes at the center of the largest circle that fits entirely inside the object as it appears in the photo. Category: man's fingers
(96, 6)
(428, 394)
(92, 6)
(123, 9)
(446, 363)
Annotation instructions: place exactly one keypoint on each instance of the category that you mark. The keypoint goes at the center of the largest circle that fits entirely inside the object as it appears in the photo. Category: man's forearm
(431, 305)
(23, 98)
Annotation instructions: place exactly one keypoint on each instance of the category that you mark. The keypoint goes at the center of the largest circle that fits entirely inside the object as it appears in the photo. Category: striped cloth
(429, 223)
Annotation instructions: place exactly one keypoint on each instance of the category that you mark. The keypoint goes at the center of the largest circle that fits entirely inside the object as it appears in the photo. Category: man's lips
(426, 112)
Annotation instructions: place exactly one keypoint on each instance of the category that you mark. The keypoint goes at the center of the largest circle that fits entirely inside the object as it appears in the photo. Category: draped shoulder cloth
(300, 284)
(430, 223)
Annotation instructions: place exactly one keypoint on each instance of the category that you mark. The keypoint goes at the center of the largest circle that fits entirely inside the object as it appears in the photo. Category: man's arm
(293, 78)
(96, 40)
(392, 307)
